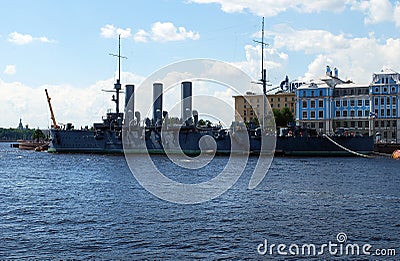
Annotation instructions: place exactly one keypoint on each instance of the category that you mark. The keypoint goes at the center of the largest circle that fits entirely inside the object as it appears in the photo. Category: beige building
(249, 106)
(282, 100)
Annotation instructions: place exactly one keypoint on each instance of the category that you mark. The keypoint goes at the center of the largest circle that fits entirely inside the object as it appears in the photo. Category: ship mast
(117, 85)
(263, 71)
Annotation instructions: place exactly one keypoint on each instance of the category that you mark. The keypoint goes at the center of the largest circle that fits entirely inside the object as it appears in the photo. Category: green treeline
(16, 134)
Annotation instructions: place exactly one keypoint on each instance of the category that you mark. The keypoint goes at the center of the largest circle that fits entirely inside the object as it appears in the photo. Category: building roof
(313, 85)
(351, 85)
(247, 94)
(387, 71)
(253, 94)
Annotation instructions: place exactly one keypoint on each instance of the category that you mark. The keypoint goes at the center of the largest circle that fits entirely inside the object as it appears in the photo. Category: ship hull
(85, 141)
(321, 146)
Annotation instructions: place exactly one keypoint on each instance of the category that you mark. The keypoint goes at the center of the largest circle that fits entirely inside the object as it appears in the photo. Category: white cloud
(18, 38)
(165, 32)
(141, 36)
(21, 39)
(273, 7)
(376, 11)
(274, 62)
(160, 32)
(82, 107)
(396, 14)
(206, 96)
(10, 69)
(356, 58)
(110, 31)
(309, 41)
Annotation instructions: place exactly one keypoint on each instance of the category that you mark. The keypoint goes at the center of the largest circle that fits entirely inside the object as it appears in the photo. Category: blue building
(332, 105)
(384, 98)
(315, 102)
(313, 107)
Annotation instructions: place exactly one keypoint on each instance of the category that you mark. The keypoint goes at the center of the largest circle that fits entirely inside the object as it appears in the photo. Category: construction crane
(55, 126)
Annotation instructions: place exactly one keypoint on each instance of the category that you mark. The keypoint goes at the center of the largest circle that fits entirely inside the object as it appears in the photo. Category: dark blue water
(62, 206)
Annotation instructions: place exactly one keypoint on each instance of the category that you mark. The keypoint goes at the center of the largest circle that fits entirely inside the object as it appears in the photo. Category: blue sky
(64, 46)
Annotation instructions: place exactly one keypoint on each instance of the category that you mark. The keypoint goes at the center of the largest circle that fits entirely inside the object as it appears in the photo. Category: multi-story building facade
(283, 99)
(248, 107)
(330, 105)
(351, 107)
(313, 106)
(384, 99)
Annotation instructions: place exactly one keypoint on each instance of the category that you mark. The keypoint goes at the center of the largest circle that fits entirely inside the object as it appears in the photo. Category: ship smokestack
(129, 110)
(129, 93)
(157, 103)
(186, 109)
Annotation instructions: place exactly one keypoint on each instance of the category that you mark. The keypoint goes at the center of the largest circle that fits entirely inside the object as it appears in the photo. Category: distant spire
(20, 126)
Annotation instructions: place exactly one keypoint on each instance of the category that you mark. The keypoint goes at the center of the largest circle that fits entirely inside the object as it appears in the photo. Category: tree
(283, 117)
(38, 135)
(287, 115)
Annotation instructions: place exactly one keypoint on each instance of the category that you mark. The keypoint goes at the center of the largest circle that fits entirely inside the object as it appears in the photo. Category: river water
(75, 206)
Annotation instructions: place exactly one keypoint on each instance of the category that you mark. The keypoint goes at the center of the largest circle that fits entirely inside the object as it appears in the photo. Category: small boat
(396, 154)
(33, 145)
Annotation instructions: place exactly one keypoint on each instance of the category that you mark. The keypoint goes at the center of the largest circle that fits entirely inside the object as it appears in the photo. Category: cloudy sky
(64, 46)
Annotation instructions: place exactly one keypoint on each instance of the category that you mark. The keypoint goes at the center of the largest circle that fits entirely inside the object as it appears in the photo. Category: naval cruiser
(120, 132)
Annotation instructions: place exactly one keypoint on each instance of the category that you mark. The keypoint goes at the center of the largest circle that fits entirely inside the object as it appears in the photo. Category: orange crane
(55, 126)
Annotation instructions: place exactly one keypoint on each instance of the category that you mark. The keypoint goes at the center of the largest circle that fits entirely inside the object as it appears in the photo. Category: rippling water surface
(61, 206)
